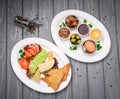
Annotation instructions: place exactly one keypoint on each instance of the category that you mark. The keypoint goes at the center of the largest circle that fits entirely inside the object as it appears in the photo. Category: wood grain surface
(13, 84)
(100, 80)
(3, 49)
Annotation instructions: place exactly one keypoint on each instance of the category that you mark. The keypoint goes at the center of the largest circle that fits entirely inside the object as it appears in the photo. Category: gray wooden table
(100, 80)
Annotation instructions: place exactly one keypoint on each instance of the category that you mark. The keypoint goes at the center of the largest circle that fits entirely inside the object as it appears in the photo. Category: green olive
(79, 41)
(73, 36)
(73, 40)
(77, 37)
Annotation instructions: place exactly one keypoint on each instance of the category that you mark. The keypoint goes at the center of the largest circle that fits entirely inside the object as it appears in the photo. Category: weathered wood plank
(46, 16)
(14, 34)
(2, 48)
(111, 64)
(29, 11)
(117, 15)
(60, 5)
(79, 74)
(95, 70)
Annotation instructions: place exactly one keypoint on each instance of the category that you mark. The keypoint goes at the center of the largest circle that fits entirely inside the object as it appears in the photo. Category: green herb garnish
(73, 47)
(62, 25)
(98, 47)
(20, 51)
(21, 54)
(85, 21)
(19, 59)
(90, 25)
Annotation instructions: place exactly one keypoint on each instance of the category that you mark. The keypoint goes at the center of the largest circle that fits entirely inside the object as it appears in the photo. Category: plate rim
(68, 52)
(24, 78)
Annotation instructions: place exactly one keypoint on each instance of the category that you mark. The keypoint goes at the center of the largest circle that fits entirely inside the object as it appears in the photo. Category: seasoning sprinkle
(109, 67)
(31, 25)
(111, 59)
(96, 72)
(79, 75)
(108, 64)
(94, 77)
(110, 85)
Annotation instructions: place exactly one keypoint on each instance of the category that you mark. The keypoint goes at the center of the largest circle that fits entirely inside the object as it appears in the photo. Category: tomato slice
(24, 64)
(31, 51)
(33, 48)
(37, 47)
(27, 54)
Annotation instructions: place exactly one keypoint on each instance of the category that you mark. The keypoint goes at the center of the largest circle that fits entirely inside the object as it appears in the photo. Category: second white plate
(79, 54)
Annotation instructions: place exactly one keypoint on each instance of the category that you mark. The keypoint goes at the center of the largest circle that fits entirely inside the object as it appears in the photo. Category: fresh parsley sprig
(73, 48)
(99, 46)
(62, 25)
(21, 53)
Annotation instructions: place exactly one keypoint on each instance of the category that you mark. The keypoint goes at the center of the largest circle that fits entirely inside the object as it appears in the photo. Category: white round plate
(78, 54)
(21, 74)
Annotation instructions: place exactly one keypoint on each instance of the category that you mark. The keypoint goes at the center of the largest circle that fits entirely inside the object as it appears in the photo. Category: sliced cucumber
(39, 58)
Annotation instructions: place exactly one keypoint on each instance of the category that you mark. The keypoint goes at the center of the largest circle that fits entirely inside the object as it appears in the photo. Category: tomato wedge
(24, 64)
